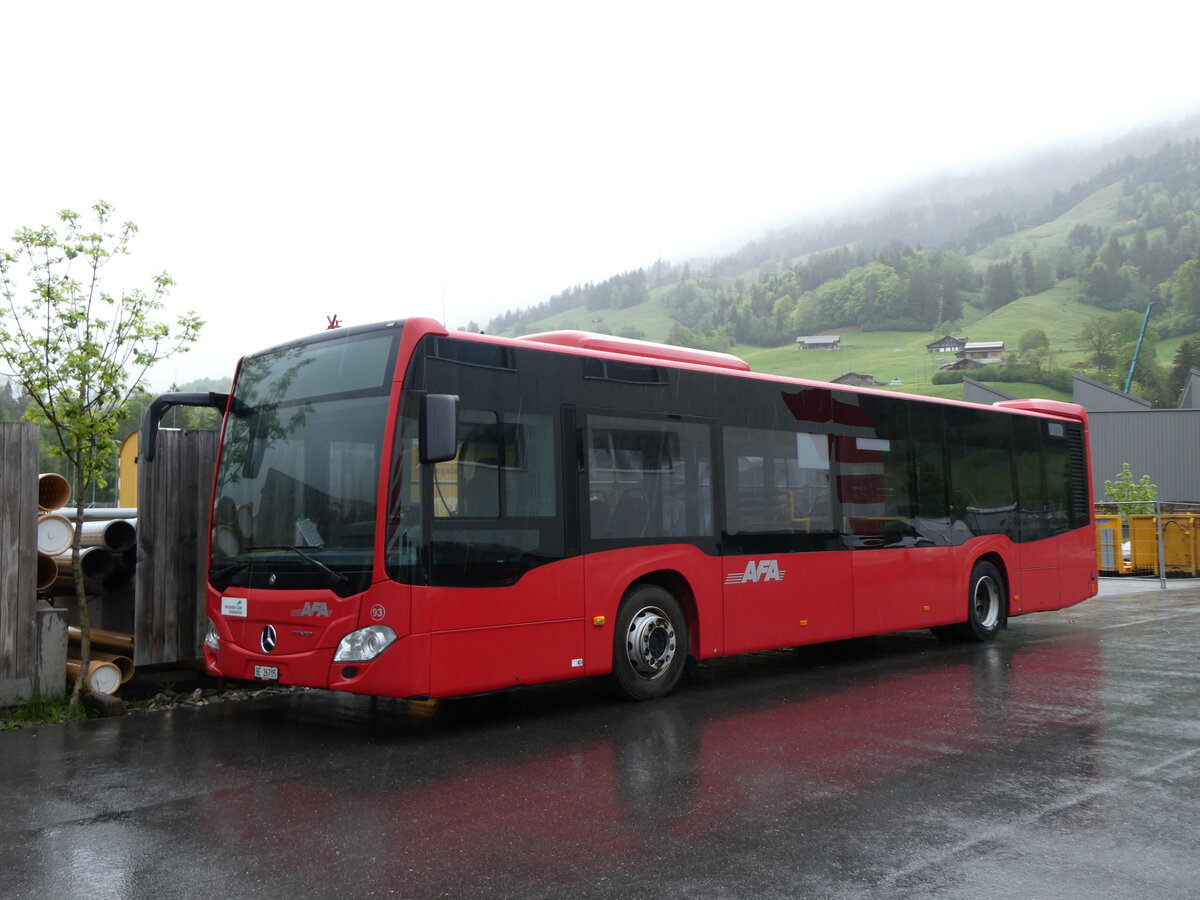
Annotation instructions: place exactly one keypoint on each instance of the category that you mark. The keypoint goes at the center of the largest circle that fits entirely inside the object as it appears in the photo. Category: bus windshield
(299, 468)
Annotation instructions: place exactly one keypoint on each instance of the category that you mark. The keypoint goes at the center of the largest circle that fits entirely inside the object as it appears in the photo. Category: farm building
(819, 342)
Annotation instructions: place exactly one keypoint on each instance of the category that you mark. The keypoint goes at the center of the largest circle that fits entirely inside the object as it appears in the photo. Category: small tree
(1033, 339)
(1099, 335)
(1136, 497)
(80, 352)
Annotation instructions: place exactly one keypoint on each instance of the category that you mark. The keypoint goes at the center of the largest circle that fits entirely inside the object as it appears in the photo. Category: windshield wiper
(336, 577)
(220, 577)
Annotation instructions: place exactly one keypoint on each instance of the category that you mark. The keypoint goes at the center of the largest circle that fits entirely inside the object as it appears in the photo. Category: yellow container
(127, 472)
(1110, 559)
(1180, 539)
(1143, 544)
(1181, 544)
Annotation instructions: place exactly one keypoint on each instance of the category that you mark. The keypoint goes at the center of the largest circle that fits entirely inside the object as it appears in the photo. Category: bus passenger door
(506, 606)
(892, 494)
(787, 580)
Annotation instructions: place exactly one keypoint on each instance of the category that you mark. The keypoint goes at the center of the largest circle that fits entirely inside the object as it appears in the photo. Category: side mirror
(439, 428)
(148, 441)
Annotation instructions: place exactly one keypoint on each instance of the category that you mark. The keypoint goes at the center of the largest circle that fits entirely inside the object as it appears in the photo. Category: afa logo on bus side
(757, 570)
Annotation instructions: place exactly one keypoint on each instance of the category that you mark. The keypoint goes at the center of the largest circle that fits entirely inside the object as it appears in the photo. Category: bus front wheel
(650, 644)
(986, 599)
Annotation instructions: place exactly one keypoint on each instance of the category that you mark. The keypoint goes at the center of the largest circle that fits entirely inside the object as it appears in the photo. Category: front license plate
(266, 673)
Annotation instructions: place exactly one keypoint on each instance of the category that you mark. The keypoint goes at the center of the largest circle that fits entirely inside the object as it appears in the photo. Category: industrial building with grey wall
(1161, 443)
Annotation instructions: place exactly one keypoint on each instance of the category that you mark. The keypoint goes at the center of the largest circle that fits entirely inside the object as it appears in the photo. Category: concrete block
(51, 650)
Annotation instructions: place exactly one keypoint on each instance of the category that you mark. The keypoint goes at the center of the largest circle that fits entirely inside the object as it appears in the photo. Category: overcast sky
(291, 161)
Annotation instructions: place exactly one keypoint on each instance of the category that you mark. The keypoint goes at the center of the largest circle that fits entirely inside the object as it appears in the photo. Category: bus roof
(590, 340)
(631, 347)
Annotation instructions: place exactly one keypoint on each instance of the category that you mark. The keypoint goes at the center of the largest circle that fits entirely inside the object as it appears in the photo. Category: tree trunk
(85, 625)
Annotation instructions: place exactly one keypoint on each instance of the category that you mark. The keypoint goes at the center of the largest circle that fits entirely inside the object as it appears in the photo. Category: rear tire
(650, 644)
(987, 600)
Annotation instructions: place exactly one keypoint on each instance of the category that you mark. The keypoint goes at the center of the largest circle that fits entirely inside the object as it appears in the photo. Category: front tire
(650, 644)
(987, 599)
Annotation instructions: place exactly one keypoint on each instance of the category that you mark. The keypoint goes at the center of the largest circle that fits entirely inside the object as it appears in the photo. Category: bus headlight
(211, 641)
(365, 644)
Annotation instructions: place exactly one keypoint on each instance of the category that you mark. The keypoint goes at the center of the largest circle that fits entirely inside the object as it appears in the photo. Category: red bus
(405, 511)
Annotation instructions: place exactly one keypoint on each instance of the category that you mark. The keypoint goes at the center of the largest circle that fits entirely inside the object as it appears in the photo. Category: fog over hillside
(936, 211)
(1061, 257)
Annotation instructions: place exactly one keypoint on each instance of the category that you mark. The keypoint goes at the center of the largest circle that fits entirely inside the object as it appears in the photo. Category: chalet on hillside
(960, 365)
(983, 351)
(819, 342)
(854, 379)
(947, 344)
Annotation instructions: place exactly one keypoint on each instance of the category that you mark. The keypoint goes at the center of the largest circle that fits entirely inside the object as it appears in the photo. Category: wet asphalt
(1062, 761)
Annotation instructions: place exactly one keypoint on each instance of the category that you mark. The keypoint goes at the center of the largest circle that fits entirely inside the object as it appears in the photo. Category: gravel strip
(170, 699)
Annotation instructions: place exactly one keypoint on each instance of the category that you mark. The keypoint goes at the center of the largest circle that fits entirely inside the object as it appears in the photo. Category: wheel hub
(987, 602)
(650, 642)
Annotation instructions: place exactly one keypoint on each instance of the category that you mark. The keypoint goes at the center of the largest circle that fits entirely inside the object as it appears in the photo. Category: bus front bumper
(402, 670)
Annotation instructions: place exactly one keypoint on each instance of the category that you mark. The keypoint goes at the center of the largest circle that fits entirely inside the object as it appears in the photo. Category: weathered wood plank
(174, 493)
(18, 549)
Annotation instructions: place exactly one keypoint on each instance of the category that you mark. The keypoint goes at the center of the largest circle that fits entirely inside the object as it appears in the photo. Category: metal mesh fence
(1148, 538)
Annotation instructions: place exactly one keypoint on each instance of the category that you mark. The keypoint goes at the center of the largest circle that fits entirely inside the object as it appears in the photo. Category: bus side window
(469, 485)
(530, 473)
(479, 491)
(648, 478)
(1058, 477)
(1033, 520)
(404, 503)
(931, 510)
(777, 481)
(982, 494)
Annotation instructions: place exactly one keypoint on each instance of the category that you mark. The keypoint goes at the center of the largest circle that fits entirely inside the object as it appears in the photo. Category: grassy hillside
(1098, 210)
(885, 355)
(737, 295)
(650, 318)
(1058, 312)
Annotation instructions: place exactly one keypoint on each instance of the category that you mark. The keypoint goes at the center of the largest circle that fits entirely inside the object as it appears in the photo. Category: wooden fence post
(18, 560)
(174, 496)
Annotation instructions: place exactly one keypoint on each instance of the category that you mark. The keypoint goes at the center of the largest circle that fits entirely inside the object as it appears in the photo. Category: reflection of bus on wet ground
(421, 513)
(844, 747)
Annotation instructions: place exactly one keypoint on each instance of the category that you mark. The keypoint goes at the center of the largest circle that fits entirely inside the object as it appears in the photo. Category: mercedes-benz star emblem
(267, 641)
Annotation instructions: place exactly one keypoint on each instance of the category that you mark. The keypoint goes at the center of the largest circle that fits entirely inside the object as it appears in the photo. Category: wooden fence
(18, 559)
(174, 493)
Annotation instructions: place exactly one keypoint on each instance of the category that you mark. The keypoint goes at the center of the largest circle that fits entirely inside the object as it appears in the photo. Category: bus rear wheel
(650, 644)
(986, 599)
